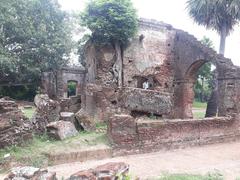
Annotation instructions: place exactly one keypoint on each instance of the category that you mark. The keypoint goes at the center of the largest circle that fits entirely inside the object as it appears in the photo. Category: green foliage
(213, 14)
(72, 87)
(33, 37)
(218, 15)
(81, 48)
(29, 112)
(101, 125)
(35, 152)
(29, 152)
(200, 105)
(23, 92)
(209, 176)
(110, 21)
(207, 42)
(203, 86)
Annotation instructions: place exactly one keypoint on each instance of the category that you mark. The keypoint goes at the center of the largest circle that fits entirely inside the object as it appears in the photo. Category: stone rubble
(61, 130)
(47, 110)
(30, 173)
(87, 123)
(15, 128)
(108, 171)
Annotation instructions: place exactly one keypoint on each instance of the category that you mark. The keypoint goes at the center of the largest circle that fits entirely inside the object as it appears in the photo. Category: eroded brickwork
(155, 78)
(167, 59)
(147, 135)
(15, 128)
(55, 83)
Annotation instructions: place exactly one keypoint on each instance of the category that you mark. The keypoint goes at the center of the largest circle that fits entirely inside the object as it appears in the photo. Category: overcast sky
(173, 12)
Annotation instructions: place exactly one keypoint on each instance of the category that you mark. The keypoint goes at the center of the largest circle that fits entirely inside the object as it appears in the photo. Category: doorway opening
(204, 90)
(72, 88)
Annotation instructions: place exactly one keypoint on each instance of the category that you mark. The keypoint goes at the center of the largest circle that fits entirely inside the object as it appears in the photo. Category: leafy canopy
(110, 21)
(33, 37)
(214, 14)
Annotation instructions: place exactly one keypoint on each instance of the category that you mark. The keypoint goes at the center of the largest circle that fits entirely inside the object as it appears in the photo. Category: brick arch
(190, 80)
(193, 69)
(183, 86)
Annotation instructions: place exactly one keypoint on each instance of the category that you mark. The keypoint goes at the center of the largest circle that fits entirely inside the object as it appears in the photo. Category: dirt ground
(224, 158)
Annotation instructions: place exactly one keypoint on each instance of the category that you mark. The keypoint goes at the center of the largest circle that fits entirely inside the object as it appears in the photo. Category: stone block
(109, 171)
(61, 130)
(86, 121)
(28, 173)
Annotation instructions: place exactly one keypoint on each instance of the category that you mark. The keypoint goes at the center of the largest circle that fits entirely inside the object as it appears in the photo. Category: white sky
(173, 12)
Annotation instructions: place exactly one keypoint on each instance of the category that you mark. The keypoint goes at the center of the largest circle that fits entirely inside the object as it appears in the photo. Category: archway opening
(72, 88)
(200, 104)
(204, 89)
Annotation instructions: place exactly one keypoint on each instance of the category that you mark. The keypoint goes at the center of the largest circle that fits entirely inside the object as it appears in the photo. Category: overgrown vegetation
(34, 37)
(209, 176)
(22, 92)
(28, 112)
(199, 109)
(35, 152)
(200, 105)
(112, 22)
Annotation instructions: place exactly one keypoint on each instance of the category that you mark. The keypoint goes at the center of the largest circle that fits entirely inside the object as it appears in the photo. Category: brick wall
(148, 135)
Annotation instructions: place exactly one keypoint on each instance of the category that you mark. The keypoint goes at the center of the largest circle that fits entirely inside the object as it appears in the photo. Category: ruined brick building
(158, 72)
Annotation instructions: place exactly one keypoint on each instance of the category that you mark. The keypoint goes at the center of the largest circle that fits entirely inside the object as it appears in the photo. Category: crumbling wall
(15, 128)
(55, 83)
(146, 101)
(47, 110)
(229, 94)
(164, 58)
(150, 56)
(70, 74)
(146, 135)
(101, 86)
(190, 55)
(48, 84)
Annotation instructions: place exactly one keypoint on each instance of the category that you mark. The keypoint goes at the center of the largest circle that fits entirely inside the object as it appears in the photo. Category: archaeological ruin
(155, 77)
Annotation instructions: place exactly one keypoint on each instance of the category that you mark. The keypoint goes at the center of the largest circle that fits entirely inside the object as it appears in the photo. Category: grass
(101, 125)
(35, 152)
(209, 176)
(199, 109)
(28, 112)
(200, 105)
(199, 115)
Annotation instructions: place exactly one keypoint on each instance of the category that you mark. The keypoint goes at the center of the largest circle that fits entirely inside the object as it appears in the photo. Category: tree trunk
(223, 36)
(201, 97)
(118, 66)
(212, 105)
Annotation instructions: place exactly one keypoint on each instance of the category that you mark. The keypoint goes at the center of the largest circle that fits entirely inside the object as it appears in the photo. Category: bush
(23, 92)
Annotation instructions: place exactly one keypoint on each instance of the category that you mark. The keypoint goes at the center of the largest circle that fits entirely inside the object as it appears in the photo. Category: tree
(218, 15)
(33, 37)
(111, 22)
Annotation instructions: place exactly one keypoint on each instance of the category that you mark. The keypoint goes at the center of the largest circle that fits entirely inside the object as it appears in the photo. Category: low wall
(149, 135)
